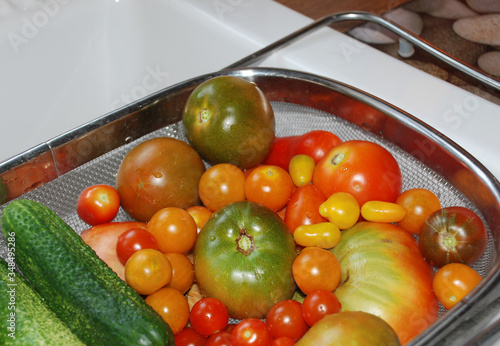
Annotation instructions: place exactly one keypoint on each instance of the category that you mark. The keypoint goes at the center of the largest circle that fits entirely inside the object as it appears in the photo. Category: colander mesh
(61, 194)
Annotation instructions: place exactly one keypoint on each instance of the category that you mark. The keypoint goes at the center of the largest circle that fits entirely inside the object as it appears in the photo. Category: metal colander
(301, 103)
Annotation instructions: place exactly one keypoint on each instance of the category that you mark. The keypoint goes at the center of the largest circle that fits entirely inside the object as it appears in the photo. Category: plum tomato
(172, 306)
(316, 268)
(158, 173)
(251, 331)
(285, 319)
(174, 230)
(182, 271)
(318, 304)
(315, 143)
(98, 204)
(380, 211)
(303, 207)
(147, 271)
(200, 215)
(189, 337)
(133, 240)
(220, 185)
(228, 119)
(364, 169)
(453, 282)
(208, 316)
(453, 235)
(270, 186)
(342, 209)
(301, 169)
(324, 235)
(419, 203)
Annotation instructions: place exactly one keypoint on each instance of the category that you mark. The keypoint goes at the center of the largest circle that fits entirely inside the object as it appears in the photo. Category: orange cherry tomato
(172, 306)
(453, 282)
(270, 186)
(380, 211)
(220, 185)
(200, 215)
(174, 230)
(301, 169)
(316, 269)
(182, 271)
(147, 271)
(419, 204)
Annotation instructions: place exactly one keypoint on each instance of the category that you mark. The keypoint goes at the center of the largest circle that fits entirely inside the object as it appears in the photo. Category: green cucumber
(25, 317)
(99, 307)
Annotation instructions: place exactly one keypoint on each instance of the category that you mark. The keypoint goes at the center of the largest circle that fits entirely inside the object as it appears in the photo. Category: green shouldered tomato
(243, 257)
(228, 119)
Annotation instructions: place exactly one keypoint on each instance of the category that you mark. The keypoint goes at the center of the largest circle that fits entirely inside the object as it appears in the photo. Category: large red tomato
(243, 257)
(364, 169)
(383, 273)
(451, 235)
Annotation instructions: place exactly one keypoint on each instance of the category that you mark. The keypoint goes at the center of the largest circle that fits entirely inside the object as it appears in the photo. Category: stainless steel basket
(56, 171)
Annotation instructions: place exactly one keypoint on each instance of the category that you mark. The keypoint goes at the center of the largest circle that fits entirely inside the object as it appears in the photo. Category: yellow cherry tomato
(380, 211)
(301, 168)
(342, 209)
(324, 235)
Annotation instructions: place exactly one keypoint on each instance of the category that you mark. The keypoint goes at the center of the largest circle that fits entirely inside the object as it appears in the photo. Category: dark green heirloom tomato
(228, 119)
(243, 257)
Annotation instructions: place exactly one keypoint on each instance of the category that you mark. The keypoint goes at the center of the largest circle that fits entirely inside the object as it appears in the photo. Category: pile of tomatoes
(318, 190)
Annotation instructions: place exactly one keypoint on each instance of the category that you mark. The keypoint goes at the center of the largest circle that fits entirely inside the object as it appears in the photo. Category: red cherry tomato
(318, 304)
(208, 316)
(364, 169)
(314, 144)
(251, 331)
(221, 338)
(98, 204)
(189, 337)
(283, 341)
(285, 319)
(303, 207)
(132, 241)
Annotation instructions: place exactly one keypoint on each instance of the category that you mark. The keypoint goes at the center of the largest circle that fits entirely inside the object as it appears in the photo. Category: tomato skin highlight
(313, 143)
(453, 282)
(364, 169)
(243, 257)
(453, 235)
(98, 204)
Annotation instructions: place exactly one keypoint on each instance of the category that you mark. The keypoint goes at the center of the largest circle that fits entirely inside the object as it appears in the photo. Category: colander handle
(407, 37)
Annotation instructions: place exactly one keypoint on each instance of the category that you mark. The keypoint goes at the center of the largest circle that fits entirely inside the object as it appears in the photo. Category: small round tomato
(133, 240)
(147, 271)
(453, 282)
(189, 337)
(182, 271)
(251, 331)
(419, 204)
(303, 207)
(453, 235)
(172, 306)
(283, 341)
(316, 268)
(221, 338)
(270, 186)
(285, 319)
(364, 169)
(301, 169)
(98, 204)
(342, 209)
(220, 185)
(174, 229)
(200, 215)
(318, 304)
(208, 316)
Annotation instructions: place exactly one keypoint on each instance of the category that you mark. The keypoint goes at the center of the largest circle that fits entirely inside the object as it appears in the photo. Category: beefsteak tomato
(364, 169)
(383, 273)
(243, 257)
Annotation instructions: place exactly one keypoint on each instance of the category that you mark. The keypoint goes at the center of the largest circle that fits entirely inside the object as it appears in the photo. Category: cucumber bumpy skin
(25, 318)
(99, 307)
